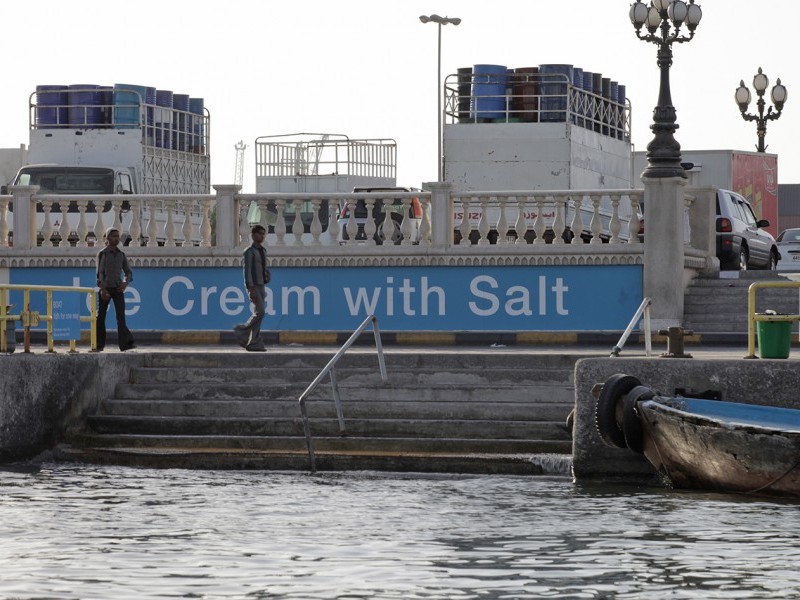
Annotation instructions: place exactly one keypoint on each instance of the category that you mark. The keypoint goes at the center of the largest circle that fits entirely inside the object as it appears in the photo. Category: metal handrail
(752, 317)
(31, 318)
(329, 368)
(644, 309)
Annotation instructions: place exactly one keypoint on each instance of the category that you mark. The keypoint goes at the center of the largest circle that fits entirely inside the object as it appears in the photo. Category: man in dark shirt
(256, 276)
(111, 264)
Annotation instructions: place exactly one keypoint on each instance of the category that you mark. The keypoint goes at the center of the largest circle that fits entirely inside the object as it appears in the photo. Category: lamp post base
(660, 170)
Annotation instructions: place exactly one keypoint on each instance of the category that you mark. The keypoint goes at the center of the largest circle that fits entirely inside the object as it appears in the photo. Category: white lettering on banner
(178, 312)
(300, 294)
(560, 289)
(426, 292)
(232, 296)
(518, 297)
(362, 299)
(362, 303)
(205, 293)
(229, 296)
(133, 301)
(494, 303)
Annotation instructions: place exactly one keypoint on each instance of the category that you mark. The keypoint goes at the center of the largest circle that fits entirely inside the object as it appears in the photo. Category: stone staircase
(449, 411)
(716, 307)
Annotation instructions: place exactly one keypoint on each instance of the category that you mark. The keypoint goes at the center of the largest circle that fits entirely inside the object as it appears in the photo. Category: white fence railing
(311, 220)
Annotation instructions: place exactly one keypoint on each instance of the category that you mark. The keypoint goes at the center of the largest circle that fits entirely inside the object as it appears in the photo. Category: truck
(126, 139)
(522, 145)
(753, 175)
(318, 163)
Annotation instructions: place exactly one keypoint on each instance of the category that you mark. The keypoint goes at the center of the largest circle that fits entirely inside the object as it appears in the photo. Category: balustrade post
(441, 214)
(664, 249)
(227, 220)
(24, 222)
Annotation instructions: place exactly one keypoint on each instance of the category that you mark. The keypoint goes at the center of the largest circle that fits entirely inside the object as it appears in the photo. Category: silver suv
(742, 242)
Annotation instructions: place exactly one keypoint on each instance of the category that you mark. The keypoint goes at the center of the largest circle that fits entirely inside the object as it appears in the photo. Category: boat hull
(727, 454)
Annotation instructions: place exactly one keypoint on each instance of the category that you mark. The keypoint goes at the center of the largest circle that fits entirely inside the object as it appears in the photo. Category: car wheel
(397, 234)
(773, 261)
(743, 256)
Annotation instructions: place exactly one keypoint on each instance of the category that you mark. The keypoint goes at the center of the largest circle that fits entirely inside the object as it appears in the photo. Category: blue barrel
(127, 103)
(591, 107)
(85, 106)
(621, 99)
(554, 85)
(464, 93)
(588, 81)
(489, 91)
(150, 115)
(51, 106)
(197, 139)
(606, 91)
(180, 102)
(105, 101)
(578, 99)
(163, 119)
(597, 84)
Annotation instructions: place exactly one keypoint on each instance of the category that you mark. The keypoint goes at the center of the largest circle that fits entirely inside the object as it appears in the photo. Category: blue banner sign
(494, 298)
(67, 315)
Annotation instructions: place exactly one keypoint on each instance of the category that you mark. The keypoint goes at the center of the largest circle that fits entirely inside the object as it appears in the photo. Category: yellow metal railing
(30, 318)
(752, 317)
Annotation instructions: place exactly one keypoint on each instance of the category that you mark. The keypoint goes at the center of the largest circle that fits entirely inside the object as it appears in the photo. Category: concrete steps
(455, 410)
(719, 305)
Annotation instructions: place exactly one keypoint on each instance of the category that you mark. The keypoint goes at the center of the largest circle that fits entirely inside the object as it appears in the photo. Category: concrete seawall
(768, 382)
(43, 396)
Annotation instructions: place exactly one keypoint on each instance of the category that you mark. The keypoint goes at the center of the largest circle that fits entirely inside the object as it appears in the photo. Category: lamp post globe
(778, 96)
(664, 20)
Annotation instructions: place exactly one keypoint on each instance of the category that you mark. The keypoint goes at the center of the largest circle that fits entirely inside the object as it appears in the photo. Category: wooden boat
(702, 443)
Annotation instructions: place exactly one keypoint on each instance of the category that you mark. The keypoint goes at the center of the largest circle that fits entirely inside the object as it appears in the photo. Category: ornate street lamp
(439, 21)
(668, 16)
(778, 95)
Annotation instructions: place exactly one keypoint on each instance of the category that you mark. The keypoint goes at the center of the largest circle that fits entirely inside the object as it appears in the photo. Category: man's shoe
(241, 333)
(255, 348)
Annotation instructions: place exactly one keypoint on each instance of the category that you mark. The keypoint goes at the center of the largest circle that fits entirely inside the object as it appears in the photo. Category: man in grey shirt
(256, 276)
(111, 265)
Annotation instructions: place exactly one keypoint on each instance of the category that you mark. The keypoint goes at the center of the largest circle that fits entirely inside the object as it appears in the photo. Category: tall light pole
(439, 150)
(778, 95)
(664, 151)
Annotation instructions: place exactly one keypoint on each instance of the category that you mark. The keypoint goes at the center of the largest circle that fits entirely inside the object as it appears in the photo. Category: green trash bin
(774, 336)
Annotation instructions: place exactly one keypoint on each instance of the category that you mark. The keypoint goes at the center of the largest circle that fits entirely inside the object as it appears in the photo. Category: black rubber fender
(631, 422)
(608, 426)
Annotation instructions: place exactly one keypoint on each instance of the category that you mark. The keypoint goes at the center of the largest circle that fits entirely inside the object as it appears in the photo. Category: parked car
(742, 241)
(395, 213)
(789, 246)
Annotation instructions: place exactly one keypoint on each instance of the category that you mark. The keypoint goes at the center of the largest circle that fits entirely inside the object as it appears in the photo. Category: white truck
(114, 141)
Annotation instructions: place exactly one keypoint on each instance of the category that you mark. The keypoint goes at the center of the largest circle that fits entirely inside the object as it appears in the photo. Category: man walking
(111, 264)
(256, 276)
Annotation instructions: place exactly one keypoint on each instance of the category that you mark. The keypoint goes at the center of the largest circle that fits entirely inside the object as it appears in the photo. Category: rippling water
(74, 531)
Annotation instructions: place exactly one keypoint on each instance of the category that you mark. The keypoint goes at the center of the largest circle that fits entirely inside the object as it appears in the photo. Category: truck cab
(60, 179)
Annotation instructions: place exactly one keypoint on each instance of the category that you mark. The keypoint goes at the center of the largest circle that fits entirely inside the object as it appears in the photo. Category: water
(74, 531)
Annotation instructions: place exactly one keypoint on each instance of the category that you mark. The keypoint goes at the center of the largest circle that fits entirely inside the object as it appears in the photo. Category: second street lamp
(778, 96)
(668, 16)
(439, 21)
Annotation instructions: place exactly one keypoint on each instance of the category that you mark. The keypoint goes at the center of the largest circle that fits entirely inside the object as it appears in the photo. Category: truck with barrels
(121, 139)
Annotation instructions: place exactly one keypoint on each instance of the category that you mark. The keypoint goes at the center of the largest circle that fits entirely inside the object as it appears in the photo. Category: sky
(368, 68)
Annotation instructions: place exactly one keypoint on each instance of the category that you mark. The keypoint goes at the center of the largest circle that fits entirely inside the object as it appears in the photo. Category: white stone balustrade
(440, 227)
